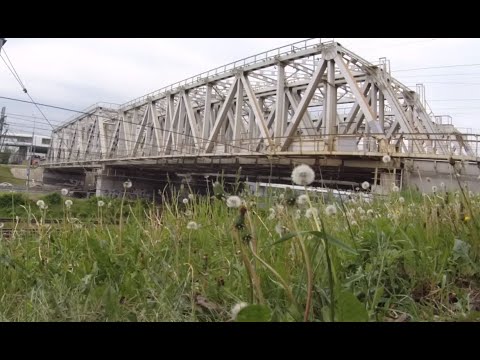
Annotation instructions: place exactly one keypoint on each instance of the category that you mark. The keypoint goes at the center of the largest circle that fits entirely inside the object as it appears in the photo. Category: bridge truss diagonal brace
(302, 106)
(222, 114)
(257, 110)
(191, 119)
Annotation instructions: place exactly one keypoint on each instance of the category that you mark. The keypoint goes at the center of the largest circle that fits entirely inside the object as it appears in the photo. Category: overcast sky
(76, 73)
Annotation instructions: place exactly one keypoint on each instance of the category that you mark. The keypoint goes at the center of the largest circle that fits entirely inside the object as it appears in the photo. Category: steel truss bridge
(311, 101)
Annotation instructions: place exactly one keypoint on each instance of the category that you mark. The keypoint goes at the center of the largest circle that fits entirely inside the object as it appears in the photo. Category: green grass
(388, 260)
(6, 176)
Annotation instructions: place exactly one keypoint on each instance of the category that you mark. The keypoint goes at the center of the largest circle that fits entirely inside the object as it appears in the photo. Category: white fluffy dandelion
(280, 229)
(386, 159)
(395, 188)
(236, 309)
(185, 201)
(365, 185)
(434, 189)
(303, 175)
(234, 201)
(360, 210)
(192, 225)
(442, 185)
(353, 223)
(298, 214)
(331, 210)
(2, 225)
(100, 203)
(281, 196)
(188, 213)
(302, 199)
(311, 212)
(401, 200)
(127, 184)
(272, 215)
(68, 203)
(191, 196)
(64, 192)
(41, 204)
(280, 208)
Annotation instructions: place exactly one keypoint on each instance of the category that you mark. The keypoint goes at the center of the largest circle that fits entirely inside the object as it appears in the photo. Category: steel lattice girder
(305, 98)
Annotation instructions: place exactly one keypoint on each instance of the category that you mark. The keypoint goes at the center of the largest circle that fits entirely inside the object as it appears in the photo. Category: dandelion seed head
(357, 189)
(370, 212)
(41, 204)
(280, 229)
(386, 159)
(188, 213)
(303, 175)
(234, 201)
(353, 223)
(100, 203)
(236, 309)
(442, 185)
(127, 184)
(331, 210)
(302, 199)
(434, 189)
(298, 214)
(192, 225)
(2, 225)
(365, 185)
(311, 212)
(68, 203)
(64, 192)
(281, 196)
(191, 196)
(401, 200)
(185, 201)
(395, 188)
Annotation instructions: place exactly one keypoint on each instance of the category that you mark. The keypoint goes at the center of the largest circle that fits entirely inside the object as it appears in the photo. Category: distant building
(21, 146)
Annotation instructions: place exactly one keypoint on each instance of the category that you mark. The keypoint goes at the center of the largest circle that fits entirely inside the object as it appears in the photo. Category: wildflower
(311, 212)
(370, 212)
(360, 210)
(395, 188)
(434, 189)
(68, 203)
(191, 196)
(298, 214)
(442, 185)
(331, 210)
(428, 179)
(281, 197)
(192, 225)
(302, 199)
(127, 184)
(41, 204)
(401, 200)
(17, 219)
(467, 218)
(280, 208)
(236, 309)
(188, 213)
(64, 192)
(233, 201)
(280, 229)
(386, 159)
(471, 194)
(100, 203)
(109, 204)
(357, 188)
(185, 201)
(272, 214)
(365, 185)
(303, 175)
(353, 223)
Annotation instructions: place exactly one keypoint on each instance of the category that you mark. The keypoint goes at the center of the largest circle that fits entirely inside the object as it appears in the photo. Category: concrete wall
(424, 174)
(21, 173)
